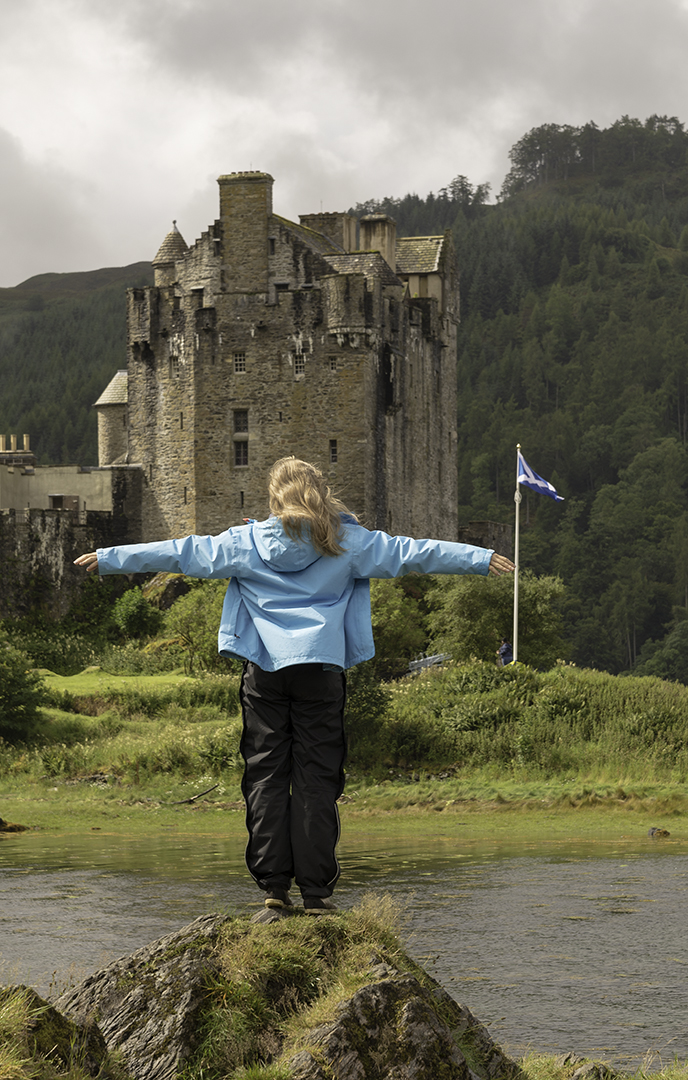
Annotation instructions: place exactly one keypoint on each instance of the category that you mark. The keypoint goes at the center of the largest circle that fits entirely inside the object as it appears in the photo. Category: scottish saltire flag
(531, 480)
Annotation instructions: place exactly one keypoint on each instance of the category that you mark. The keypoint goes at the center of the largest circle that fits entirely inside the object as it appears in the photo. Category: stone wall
(489, 534)
(21, 487)
(38, 548)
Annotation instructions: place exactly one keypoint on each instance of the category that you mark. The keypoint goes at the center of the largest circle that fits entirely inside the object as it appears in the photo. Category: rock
(163, 589)
(568, 1059)
(146, 1005)
(271, 915)
(400, 1024)
(54, 1037)
(398, 1029)
(8, 826)
(594, 1070)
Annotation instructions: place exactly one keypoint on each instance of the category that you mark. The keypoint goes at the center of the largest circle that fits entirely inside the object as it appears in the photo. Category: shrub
(195, 619)
(398, 630)
(65, 654)
(134, 616)
(131, 659)
(472, 615)
(22, 693)
(367, 703)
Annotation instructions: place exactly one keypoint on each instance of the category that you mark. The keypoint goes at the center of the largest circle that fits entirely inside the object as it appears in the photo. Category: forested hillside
(62, 338)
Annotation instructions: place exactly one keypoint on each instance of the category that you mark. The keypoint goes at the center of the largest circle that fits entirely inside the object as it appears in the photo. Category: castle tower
(267, 338)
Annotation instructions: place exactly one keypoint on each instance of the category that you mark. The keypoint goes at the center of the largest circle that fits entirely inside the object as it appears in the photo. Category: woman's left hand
(89, 561)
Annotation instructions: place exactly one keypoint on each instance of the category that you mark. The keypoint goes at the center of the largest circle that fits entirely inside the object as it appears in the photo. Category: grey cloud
(43, 226)
(341, 101)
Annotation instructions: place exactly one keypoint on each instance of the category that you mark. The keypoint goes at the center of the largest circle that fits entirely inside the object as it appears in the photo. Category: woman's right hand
(499, 564)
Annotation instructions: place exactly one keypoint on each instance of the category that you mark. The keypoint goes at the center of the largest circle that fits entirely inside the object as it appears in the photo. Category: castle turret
(112, 420)
(173, 247)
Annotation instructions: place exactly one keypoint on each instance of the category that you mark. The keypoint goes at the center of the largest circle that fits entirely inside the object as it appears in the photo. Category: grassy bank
(568, 752)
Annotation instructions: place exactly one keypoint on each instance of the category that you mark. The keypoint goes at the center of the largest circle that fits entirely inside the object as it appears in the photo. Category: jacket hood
(278, 550)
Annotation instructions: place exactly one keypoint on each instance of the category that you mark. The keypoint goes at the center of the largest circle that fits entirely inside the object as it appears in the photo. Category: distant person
(505, 653)
(297, 611)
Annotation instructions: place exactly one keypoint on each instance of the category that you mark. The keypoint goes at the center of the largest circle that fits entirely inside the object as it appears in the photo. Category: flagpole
(517, 500)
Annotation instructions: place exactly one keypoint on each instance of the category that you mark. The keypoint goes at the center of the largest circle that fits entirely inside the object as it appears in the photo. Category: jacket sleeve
(377, 555)
(197, 556)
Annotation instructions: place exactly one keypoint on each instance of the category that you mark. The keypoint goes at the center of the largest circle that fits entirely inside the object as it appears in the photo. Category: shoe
(278, 898)
(318, 905)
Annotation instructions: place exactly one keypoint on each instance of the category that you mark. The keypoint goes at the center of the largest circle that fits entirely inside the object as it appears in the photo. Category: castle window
(240, 421)
(333, 363)
(241, 499)
(333, 451)
(271, 245)
(181, 421)
(240, 453)
(239, 362)
(185, 497)
(175, 369)
(299, 365)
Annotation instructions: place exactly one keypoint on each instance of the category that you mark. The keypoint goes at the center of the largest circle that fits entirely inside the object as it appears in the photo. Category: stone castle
(330, 339)
(268, 338)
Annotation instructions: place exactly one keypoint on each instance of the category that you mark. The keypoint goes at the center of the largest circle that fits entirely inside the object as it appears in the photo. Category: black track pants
(294, 748)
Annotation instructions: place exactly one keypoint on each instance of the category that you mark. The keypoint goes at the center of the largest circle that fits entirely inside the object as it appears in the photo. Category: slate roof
(419, 254)
(314, 240)
(172, 248)
(116, 392)
(369, 263)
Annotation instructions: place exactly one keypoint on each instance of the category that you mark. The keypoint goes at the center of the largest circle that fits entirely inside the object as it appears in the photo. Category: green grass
(94, 681)
(37, 1043)
(465, 748)
(546, 1067)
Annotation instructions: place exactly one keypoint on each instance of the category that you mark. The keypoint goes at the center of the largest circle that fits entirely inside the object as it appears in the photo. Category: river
(561, 947)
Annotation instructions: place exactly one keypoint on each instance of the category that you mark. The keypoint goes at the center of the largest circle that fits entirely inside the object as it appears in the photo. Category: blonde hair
(300, 497)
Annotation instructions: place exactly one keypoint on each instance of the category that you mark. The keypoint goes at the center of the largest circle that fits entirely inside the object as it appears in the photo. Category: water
(563, 947)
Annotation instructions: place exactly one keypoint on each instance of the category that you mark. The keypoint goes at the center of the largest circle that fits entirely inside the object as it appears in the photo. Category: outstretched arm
(377, 555)
(197, 556)
(499, 564)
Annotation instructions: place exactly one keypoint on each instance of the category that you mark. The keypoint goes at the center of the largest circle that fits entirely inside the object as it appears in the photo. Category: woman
(297, 610)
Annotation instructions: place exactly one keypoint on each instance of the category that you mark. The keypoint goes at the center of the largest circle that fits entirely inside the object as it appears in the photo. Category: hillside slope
(62, 338)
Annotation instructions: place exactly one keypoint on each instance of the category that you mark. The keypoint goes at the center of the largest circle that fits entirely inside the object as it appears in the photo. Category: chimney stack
(379, 233)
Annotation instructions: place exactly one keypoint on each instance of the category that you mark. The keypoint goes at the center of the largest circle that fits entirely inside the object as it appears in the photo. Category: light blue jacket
(285, 603)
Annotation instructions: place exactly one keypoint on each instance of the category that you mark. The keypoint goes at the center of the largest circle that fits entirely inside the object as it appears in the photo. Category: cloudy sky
(116, 116)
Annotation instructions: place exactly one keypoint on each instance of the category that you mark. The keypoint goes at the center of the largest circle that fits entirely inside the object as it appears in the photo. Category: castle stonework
(269, 338)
